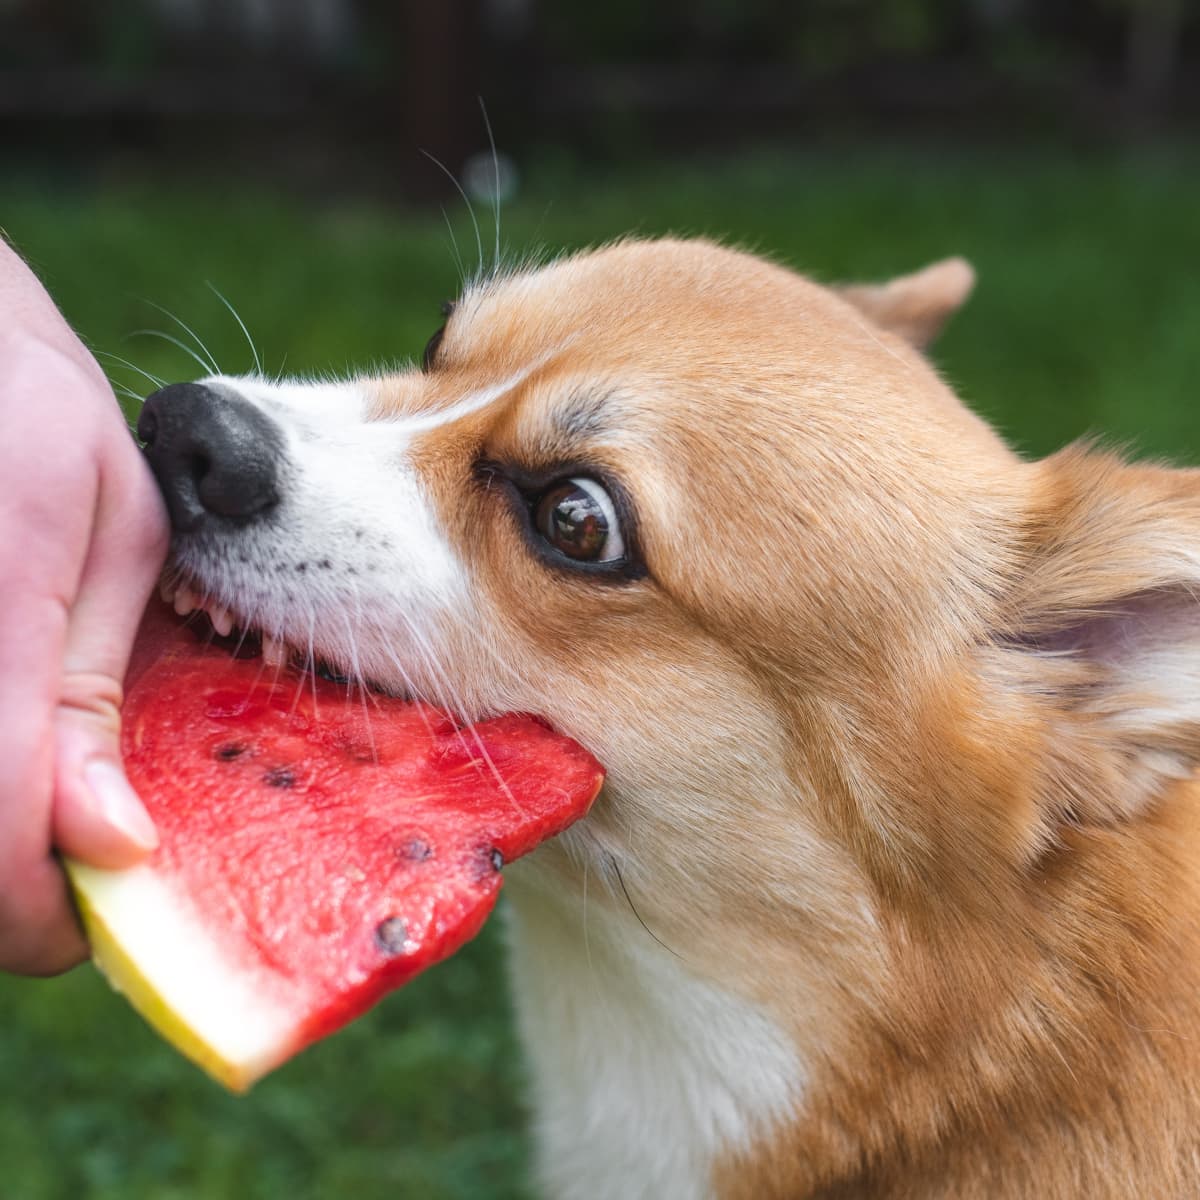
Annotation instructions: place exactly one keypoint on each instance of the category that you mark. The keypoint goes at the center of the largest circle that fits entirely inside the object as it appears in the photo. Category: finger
(40, 530)
(52, 395)
(38, 931)
(44, 937)
(97, 815)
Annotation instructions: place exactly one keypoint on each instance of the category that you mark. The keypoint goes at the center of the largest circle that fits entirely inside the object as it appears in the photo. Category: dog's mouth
(213, 623)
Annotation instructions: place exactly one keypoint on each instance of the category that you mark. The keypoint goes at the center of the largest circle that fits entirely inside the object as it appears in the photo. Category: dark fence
(350, 89)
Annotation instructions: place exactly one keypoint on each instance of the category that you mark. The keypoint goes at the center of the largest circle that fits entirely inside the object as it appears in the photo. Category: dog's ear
(1104, 631)
(915, 306)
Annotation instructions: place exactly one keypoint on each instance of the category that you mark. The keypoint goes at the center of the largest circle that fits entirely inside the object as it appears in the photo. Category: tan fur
(915, 306)
(895, 749)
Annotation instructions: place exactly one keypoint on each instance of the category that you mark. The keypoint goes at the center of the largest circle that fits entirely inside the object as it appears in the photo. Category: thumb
(98, 817)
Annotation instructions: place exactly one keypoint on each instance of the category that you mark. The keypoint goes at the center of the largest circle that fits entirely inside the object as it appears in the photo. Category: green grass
(1087, 319)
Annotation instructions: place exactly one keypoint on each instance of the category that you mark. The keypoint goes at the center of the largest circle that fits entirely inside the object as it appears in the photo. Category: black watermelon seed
(229, 751)
(391, 935)
(280, 777)
(486, 861)
(416, 850)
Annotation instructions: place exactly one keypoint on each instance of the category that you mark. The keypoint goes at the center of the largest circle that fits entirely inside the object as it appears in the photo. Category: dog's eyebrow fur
(564, 431)
(585, 414)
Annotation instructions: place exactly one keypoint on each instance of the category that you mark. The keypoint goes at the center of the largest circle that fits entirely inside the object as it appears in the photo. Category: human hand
(83, 534)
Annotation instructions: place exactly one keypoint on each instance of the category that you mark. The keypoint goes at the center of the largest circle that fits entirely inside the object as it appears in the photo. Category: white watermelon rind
(152, 947)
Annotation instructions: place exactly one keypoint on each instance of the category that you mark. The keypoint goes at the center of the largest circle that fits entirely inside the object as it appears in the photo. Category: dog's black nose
(214, 454)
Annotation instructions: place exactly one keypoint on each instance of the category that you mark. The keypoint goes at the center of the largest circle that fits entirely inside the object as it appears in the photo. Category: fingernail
(119, 804)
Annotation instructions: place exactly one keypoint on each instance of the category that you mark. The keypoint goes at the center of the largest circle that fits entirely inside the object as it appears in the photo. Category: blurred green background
(146, 157)
(1086, 320)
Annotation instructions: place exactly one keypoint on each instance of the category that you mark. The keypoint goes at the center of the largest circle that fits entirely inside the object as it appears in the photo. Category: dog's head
(855, 669)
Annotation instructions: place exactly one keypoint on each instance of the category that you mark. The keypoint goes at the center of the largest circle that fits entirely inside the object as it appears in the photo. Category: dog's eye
(578, 518)
(429, 354)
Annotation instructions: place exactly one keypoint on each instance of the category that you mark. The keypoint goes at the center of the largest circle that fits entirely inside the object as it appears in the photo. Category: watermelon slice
(318, 848)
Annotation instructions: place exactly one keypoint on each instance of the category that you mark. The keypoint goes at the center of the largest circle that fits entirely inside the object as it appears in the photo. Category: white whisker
(189, 330)
(458, 262)
(128, 393)
(154, 379)
(312, 655)
(245, 632)
(241, 325)
(466, 200)
(356, 676)
(443, 700)
(496, 183)
(166, 337)
(308, 671)
(460, 710)
(411, 689)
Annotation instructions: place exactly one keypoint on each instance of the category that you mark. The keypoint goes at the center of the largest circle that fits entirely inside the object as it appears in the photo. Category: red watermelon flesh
(319, 847)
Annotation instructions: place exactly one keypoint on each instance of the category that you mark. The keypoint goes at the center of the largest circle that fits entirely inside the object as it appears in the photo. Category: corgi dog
(893, 890)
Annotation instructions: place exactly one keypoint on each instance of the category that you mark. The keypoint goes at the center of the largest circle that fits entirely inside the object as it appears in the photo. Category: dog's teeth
(274, 651)
(185, 600)
(222, 620)
(166, 591)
